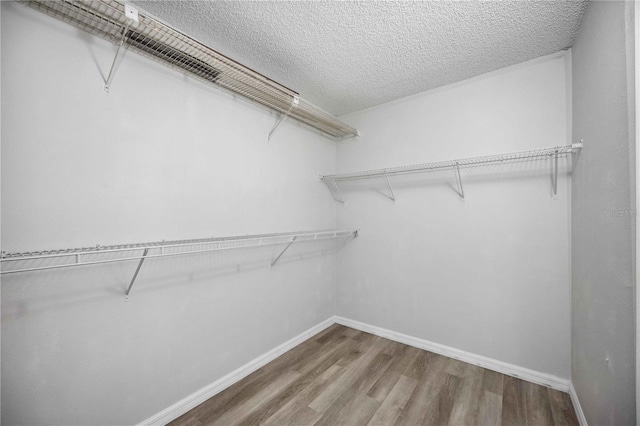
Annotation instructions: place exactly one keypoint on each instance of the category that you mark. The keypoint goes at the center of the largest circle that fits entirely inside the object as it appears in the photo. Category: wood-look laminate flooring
(347, 377)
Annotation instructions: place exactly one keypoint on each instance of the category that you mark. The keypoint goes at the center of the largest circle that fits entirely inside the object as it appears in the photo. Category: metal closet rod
(244, 241)
(452, 164)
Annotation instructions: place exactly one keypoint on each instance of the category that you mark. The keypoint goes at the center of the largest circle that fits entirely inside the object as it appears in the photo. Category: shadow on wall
(521, 169)
(33, 293)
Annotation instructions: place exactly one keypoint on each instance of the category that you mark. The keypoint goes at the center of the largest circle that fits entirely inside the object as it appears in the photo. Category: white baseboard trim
(533, 376)
(576, 406)
(179, 408)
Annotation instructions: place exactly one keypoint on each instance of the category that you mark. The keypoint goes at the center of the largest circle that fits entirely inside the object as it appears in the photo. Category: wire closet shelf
(552, 152)
(159, 41)
(141, 251)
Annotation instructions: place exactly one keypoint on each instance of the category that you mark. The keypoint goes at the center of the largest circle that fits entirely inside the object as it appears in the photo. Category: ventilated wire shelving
(31, 261)
(553, 153)
(155, 39)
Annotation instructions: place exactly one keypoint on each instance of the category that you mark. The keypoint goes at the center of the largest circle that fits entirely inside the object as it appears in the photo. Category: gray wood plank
(296, 410)
(465, 404)
(439, 407)
(429, 383)
(347, 403)
(492, 382)
(394, 402)
(562, 408)
(305, 416)
(331, 333)
(513, 403)
(538, 409)
(456, 367)
(403, 360)
(317, 365)
(489, 409)
(334, 391)
(236, 414)
(354, 410)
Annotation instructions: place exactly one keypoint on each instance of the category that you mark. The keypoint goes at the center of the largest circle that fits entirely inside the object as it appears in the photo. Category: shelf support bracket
(296, 101)
(555, 174)
(460, 187)
(333, 189)
(351, 237)
(285, 249)
(340, 198)
(135, 275)
(112, 71)
(386, 178)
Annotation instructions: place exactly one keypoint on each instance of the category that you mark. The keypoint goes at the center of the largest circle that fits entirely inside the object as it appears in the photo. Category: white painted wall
(490, 275)
(636, 136)
(603, 234)
(161, 157)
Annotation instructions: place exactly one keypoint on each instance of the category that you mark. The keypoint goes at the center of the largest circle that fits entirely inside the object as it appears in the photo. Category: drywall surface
(489, 275)
(349, 55)
(160, 157)
(603, 353)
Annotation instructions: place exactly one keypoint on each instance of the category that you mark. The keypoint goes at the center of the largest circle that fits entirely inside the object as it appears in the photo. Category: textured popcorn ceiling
(346, 56)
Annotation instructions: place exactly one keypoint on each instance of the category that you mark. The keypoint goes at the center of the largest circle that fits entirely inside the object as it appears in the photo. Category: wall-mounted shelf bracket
(392, 197)
(294, 102)
(112, 71)
(132, 16)
(135, 275)
(353, 236)
(460, 187)
(285, 249)
(334, 189)
(555, 174)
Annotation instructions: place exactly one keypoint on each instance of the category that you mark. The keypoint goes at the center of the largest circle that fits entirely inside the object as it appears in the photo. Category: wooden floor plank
(489, 411)
(347, 402)
(492, 382)
(440, 403)
(513, 403)
(465, 404)
(238, 413)
(538, 410)
(296, 410)
(393, 404)
(356, 409)
(403, 360)
(363, 344)
(356, 367)
(420, 365)
(343, 376)
(562, 408)
(428, 386)
(330, 333)
(190, 419)
(456, 367)
(305, 416)
(308, 376)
